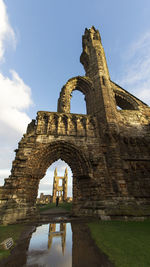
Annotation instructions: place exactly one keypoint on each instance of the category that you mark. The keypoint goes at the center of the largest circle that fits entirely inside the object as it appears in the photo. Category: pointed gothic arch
(39, 161)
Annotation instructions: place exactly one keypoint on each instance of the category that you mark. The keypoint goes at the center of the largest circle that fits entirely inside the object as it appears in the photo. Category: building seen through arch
(55, 185)
(107, 149)
(60, 189)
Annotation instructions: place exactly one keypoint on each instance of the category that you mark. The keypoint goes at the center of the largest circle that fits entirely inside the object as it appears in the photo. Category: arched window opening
(77, 103)
(122, 103)
(56, 182)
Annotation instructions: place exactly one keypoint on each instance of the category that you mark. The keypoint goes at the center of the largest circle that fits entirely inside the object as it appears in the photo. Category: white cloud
(4, 173)
(15, 97)
(136, 73)
(6, 31)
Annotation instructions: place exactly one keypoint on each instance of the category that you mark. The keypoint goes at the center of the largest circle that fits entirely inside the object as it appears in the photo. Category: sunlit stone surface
(108, 150)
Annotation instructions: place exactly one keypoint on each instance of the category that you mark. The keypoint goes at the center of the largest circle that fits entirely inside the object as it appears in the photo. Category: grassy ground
(127, 244)
(13, 231)
(64, 205)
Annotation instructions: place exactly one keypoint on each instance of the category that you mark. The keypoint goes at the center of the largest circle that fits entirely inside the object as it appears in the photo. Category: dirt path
(55, 211)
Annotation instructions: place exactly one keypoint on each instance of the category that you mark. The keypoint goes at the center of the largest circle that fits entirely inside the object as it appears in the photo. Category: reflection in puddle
(60, 232)
(51, 245)
(57, 245)
(64, 245)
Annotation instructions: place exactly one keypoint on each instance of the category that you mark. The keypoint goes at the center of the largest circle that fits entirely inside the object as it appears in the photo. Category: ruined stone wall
(108, 149)
(44, 199)
(39, 148)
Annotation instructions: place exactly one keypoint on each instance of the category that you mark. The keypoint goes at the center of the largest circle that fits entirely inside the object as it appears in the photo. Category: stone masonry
(108, 149)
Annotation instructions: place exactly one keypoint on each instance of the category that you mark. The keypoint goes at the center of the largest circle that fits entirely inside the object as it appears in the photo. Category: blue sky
(40, 47)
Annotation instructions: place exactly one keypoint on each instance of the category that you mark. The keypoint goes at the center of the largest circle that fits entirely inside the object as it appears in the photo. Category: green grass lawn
(13, 231)
(127, 244)
(64, 205)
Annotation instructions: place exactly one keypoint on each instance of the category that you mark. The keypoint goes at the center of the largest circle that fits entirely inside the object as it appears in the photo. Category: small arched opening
(81, 85)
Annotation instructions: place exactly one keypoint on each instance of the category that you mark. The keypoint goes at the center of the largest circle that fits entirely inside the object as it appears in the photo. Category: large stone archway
(39, 161)
(108, 149)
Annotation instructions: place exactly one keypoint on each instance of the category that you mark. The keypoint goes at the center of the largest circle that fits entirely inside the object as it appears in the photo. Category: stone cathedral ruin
(108, 149)
(60, 190)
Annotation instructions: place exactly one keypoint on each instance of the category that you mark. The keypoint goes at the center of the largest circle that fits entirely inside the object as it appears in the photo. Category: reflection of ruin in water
(51, 245)
(61, 233)
(69, 244)
(59, 245)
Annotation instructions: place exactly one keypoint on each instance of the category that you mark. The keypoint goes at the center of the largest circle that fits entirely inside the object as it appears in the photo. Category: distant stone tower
(60, 186)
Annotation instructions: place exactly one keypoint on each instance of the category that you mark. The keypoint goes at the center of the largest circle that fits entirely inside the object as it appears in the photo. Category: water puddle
(51, 245)
(57, 245)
